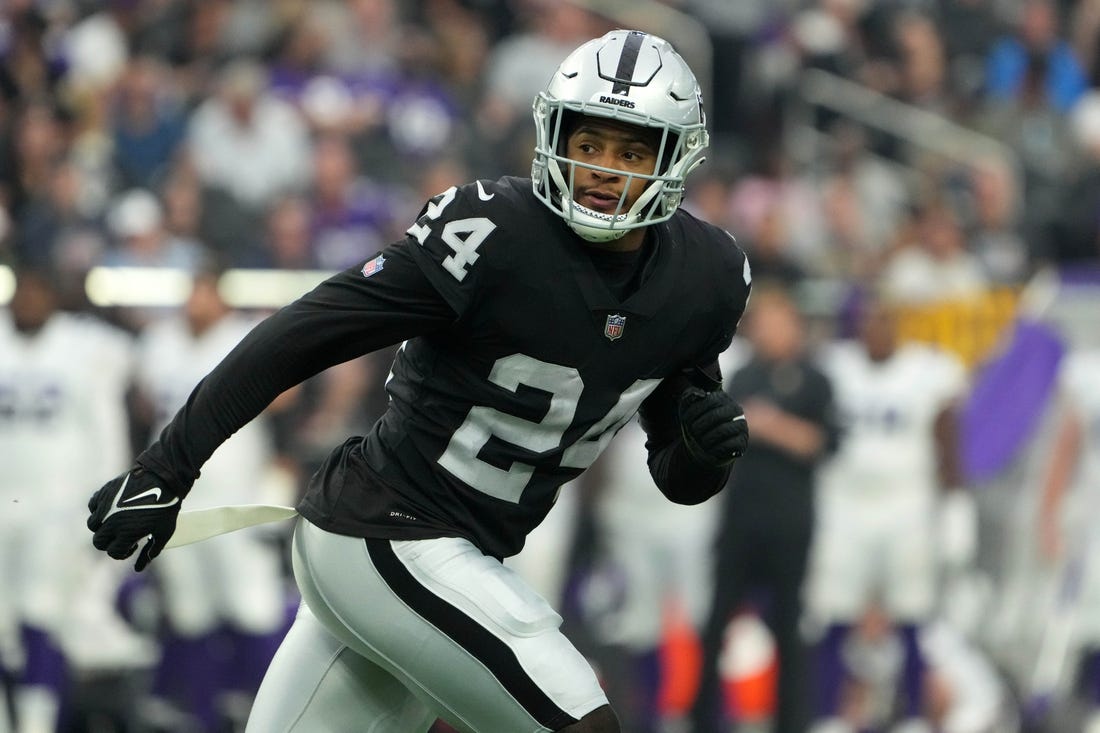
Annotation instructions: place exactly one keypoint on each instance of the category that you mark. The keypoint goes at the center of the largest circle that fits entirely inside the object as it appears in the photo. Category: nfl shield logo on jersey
(613, 329)
(373, 266)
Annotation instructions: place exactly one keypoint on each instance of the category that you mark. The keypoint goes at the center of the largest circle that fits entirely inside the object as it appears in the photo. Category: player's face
(204, 306)
(775, 327)
(32, 303)
(878, 329)
(616, 145)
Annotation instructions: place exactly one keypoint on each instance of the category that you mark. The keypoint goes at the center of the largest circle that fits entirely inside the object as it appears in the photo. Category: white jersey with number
(63, 431)
(875, 529)
(172, 362)
(62, 410)
(888, 411)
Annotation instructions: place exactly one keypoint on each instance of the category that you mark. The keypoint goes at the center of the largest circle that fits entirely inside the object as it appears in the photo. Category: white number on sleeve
(463, 236)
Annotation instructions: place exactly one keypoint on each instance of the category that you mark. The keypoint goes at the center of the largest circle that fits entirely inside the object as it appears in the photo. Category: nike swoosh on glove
(714, 427)
(130, 508)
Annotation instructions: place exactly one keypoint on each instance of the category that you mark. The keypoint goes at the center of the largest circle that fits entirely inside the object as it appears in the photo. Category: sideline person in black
(764, 535)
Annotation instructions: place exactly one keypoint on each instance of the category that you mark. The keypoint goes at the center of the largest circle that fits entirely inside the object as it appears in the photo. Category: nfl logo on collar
(613, 329)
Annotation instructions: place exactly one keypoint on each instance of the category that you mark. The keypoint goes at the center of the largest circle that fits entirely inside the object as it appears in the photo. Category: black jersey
(519, 364)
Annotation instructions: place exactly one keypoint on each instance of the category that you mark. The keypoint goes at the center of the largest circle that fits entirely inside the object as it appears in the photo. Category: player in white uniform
(1068, 534)
(63, 379)
(229, 590)
(879, 495)
(652, 561)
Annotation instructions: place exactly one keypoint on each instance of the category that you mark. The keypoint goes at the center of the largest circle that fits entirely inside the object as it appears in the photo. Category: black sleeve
(348, 315)
(680, 478)
(825, 415)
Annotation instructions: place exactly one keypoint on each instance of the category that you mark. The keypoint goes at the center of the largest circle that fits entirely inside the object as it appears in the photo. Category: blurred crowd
(297, 135)
(939, 155)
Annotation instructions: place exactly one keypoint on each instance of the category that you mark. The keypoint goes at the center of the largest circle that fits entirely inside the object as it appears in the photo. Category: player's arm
(797, 436)
(946, 435)
(347, 316)
(1059, 472)
(695, 432)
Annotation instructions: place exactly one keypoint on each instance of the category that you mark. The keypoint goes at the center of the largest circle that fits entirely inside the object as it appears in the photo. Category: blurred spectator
(288, 242)
(769, 247)
(1037, 34)
(436, 178)
(96, 46)
(183, 205)
(420, 118)
(708, 197)
(1084, 33)
(139, 239)
(922, 64)
(767, 521)
(363, 36)
(353, 217)
(38, 142)
(1071, 232)
(775, 186)
(136, 220)
(299, 74)
(30, 67)
(742, 35)
(462, 35)
(934, 264)
(516, 72)
(210, 216)
(829, 35)
(864, 200)
(969, 29)
(1037, 132)
(517, 64)
(148, 123)
(994, 236)
(247, 141)
(56, 231)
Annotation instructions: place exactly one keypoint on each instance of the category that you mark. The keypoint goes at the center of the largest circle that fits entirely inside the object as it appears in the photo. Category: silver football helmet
(631, 77)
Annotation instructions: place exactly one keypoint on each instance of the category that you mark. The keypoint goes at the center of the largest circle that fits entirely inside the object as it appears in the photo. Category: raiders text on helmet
(631, 77)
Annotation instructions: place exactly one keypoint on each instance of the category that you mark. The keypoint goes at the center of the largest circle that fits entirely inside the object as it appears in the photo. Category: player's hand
(130, 508)
(714, 427)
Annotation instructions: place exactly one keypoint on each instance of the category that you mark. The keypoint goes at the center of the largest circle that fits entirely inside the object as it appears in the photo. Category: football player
(1067, 535)
(63, 380)
(880, 496)
(227, 591)
(538, 316)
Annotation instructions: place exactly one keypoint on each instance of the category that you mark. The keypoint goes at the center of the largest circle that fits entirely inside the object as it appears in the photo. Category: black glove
(129, 508)
(713, 426)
